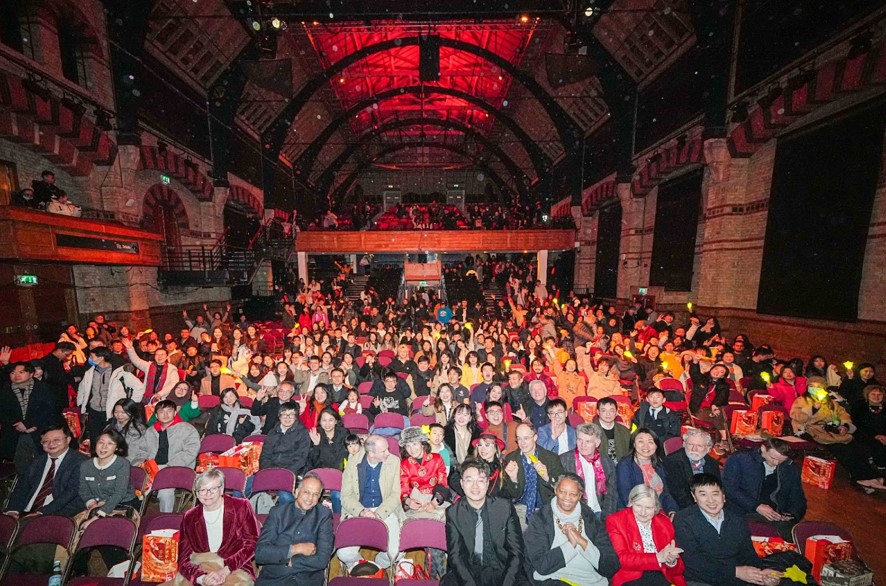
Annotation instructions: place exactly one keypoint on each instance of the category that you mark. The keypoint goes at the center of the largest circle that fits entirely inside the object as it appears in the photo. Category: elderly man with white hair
(693, 459)
(595, 468)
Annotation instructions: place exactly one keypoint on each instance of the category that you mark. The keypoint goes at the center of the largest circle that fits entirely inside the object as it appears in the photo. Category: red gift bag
(772, 422)
(760, 400)
(160, 555)
(818, 471)
(743, 422)
(824, 549)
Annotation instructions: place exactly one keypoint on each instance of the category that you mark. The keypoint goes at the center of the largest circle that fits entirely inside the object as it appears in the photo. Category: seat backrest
(670, 384)
(419, 419)
(117, 532)
(217, 442)
(179, 477)
(673, 444)
(419, 401)
(364, 387)
(207, 402)
(137, 478)
(356, 421)
(366, 401)
(385, 361)
(394, 446)
(574, 419)
(422, 533)
(273, 479)
(235, 479)
(806, 529)
(388, 353)
(330, 477)
(246, 402)
(46, 529)
(760, 529)
(258, 438)
(394, 420)
(159, 522)
(362, 532)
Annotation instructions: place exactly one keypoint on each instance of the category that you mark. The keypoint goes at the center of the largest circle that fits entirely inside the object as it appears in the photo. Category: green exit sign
(643, 290)
(26, 280)
(165, 179)
(422, 283)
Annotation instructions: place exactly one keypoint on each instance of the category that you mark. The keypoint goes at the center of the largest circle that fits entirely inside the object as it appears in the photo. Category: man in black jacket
(296, 539)
(269, 406)
(56, 375)
(716, 542)
(286, 446)
(26, 406)
(530, 466)
(566, 542)
(683, 464)
(493, 555)
(51, 484)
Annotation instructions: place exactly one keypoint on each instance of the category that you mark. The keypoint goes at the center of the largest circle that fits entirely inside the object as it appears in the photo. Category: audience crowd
(45, 195)
(559, 440)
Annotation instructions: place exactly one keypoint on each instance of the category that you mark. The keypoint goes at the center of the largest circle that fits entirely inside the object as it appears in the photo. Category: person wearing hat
(487, 448)
(423, 483)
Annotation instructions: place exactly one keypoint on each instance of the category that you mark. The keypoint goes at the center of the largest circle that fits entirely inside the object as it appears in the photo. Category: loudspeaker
(429, 58)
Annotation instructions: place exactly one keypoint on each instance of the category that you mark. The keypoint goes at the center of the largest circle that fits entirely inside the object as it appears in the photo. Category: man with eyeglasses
(51, 484)
(557, 436)
(506, 431)
(483, 534)
(529, 475)
(267, 406)
(286, 446)
(296, 540)
(683, 464)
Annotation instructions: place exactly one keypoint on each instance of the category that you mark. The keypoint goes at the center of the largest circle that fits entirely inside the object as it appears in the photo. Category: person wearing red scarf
(596, 470)
(178, 444)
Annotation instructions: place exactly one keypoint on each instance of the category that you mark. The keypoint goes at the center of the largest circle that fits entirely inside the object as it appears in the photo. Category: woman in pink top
(787, 388)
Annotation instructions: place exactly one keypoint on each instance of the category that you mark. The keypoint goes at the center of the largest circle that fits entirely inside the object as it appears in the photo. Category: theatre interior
(540, 208)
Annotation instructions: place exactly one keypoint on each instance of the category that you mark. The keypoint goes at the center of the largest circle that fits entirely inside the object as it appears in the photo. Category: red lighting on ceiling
(398, 68)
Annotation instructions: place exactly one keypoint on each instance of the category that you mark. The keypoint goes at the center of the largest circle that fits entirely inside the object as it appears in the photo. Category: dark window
(72, 49)
(608, 244)
(11, 27)
(822, 194)
(676, 227)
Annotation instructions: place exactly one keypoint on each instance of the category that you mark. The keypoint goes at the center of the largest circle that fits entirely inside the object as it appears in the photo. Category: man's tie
(46, 488)
(478, 538)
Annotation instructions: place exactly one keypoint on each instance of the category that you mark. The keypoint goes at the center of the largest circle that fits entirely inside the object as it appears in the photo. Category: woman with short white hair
(643, 539)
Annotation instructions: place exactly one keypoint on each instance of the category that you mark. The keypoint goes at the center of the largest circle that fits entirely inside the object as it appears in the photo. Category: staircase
(223, 265)
(492, 294)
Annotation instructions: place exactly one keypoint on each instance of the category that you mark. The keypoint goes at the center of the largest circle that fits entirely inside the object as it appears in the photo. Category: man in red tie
(51, 484)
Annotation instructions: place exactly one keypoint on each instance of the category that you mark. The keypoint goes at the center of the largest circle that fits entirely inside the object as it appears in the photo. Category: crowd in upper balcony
(45, 195)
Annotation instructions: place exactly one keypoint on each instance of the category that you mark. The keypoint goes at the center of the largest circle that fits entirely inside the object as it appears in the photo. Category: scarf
(155, 381)
(22, 392)
(651, 477)
(233, 416)
(599, 473)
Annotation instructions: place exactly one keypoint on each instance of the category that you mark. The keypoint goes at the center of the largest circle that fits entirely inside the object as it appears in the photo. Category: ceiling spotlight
(256, 25)
(524, 18)
(276, 22)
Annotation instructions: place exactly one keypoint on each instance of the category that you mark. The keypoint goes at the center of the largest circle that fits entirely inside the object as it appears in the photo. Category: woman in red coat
(423, 483)
(644, 541)
(221, 525)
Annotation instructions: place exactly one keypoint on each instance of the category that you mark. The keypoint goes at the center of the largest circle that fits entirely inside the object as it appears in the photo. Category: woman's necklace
(218, 515)
(580, 525)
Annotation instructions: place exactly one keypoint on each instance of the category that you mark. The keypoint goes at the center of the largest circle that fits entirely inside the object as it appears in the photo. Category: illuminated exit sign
(26, 280)
(165, 179)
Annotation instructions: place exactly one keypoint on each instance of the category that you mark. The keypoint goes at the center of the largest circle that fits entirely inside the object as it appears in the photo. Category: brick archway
(245, 197)
(165, 213)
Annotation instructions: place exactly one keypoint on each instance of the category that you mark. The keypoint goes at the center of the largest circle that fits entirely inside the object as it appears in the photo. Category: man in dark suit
(492, 556)
(56, 375)
(653, 415)
(26, 406)
(296, 540)
(693, 459)
(51, 485)
(530, 466)
(716, 543)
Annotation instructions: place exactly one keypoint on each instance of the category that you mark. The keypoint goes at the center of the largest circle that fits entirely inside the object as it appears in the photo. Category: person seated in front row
(566, 542)
(371, 488)
(50, 485)
(716, 542)
(178, 444)
(683, 464)
(286, 446)
(218, 535)
(644, 541)
(423, 483)
(483, 537)
(643, 466)
(764, 485)
(653, 415)
(296, 540)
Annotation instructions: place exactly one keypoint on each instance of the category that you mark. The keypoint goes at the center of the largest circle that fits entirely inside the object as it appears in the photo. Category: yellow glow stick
(533, 459)
(664, 364)
(689, 306)
(469, 326)
(765, 376)
(848, 364)
(628, 354)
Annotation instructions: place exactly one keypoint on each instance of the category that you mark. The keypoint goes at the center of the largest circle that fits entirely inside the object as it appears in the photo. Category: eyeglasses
(557, 413)
(208, 490)
(286, 416)
(51, 442)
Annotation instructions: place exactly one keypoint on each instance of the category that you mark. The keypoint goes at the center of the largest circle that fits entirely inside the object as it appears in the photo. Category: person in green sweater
(185, 399)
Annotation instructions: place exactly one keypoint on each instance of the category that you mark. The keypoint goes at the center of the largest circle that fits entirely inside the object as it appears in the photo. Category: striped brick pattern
(162, 196)
(666, 161)
(244, 196)
(188, 175)
(45, 125)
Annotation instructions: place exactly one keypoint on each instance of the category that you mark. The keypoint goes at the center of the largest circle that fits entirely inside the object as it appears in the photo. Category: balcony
(29, 235)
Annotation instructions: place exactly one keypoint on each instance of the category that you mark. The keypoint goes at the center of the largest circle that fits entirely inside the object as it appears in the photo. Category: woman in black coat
(231, 418)
(328, 448)
(869, 417)
(486, 447)
(710, 393)
(460, 433)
